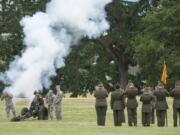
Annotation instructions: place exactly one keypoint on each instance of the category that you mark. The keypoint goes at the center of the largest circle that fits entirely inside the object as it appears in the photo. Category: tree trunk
(120, 61)
(123, 74)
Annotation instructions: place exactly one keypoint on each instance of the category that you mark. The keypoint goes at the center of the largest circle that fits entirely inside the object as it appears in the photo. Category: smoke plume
(48, 38)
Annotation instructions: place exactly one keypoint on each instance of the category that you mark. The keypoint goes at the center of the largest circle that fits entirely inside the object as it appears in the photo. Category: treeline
(142, 36)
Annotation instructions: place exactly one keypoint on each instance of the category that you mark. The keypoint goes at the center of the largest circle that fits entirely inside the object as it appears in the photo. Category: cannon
(37, 109)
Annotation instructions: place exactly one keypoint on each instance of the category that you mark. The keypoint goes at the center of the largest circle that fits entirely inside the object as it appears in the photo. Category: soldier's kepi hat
(35, 92)
(100, 85)
(117, 86)
(177, 83)
(146, 89)
(160, 83)
(131, 85)
(50, 91)
(58, 87)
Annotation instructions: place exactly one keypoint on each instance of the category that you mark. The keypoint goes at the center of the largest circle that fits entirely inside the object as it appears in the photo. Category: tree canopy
(141, 37)
(159, 41)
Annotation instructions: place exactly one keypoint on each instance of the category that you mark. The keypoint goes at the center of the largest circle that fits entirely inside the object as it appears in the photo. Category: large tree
(159, 41)
(124, 20)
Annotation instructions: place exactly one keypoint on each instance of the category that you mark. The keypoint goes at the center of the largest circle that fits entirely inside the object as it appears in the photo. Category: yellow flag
(164, 75)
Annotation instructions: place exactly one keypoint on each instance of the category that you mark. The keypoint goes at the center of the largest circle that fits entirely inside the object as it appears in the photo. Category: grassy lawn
(79, 118)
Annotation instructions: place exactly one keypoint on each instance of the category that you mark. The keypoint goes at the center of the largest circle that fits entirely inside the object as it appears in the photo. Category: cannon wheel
(24, 110)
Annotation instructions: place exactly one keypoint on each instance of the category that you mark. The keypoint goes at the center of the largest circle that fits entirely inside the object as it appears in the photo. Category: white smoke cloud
(48, 37)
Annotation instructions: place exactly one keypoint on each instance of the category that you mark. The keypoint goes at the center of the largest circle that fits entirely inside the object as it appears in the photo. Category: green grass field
(79, 118)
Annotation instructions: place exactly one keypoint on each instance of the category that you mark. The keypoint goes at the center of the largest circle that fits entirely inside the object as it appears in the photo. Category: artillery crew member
(101, 104)
(146, 99)
(50, 101)
(175, 93)
(131, 104)
(43, 112)
(58, 102)
(117, 105)
(37, 107)
(161, 104)
(34, 101)
(9, 103)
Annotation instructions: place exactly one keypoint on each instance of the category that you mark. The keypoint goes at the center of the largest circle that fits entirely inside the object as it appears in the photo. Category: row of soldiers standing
(151, 100)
